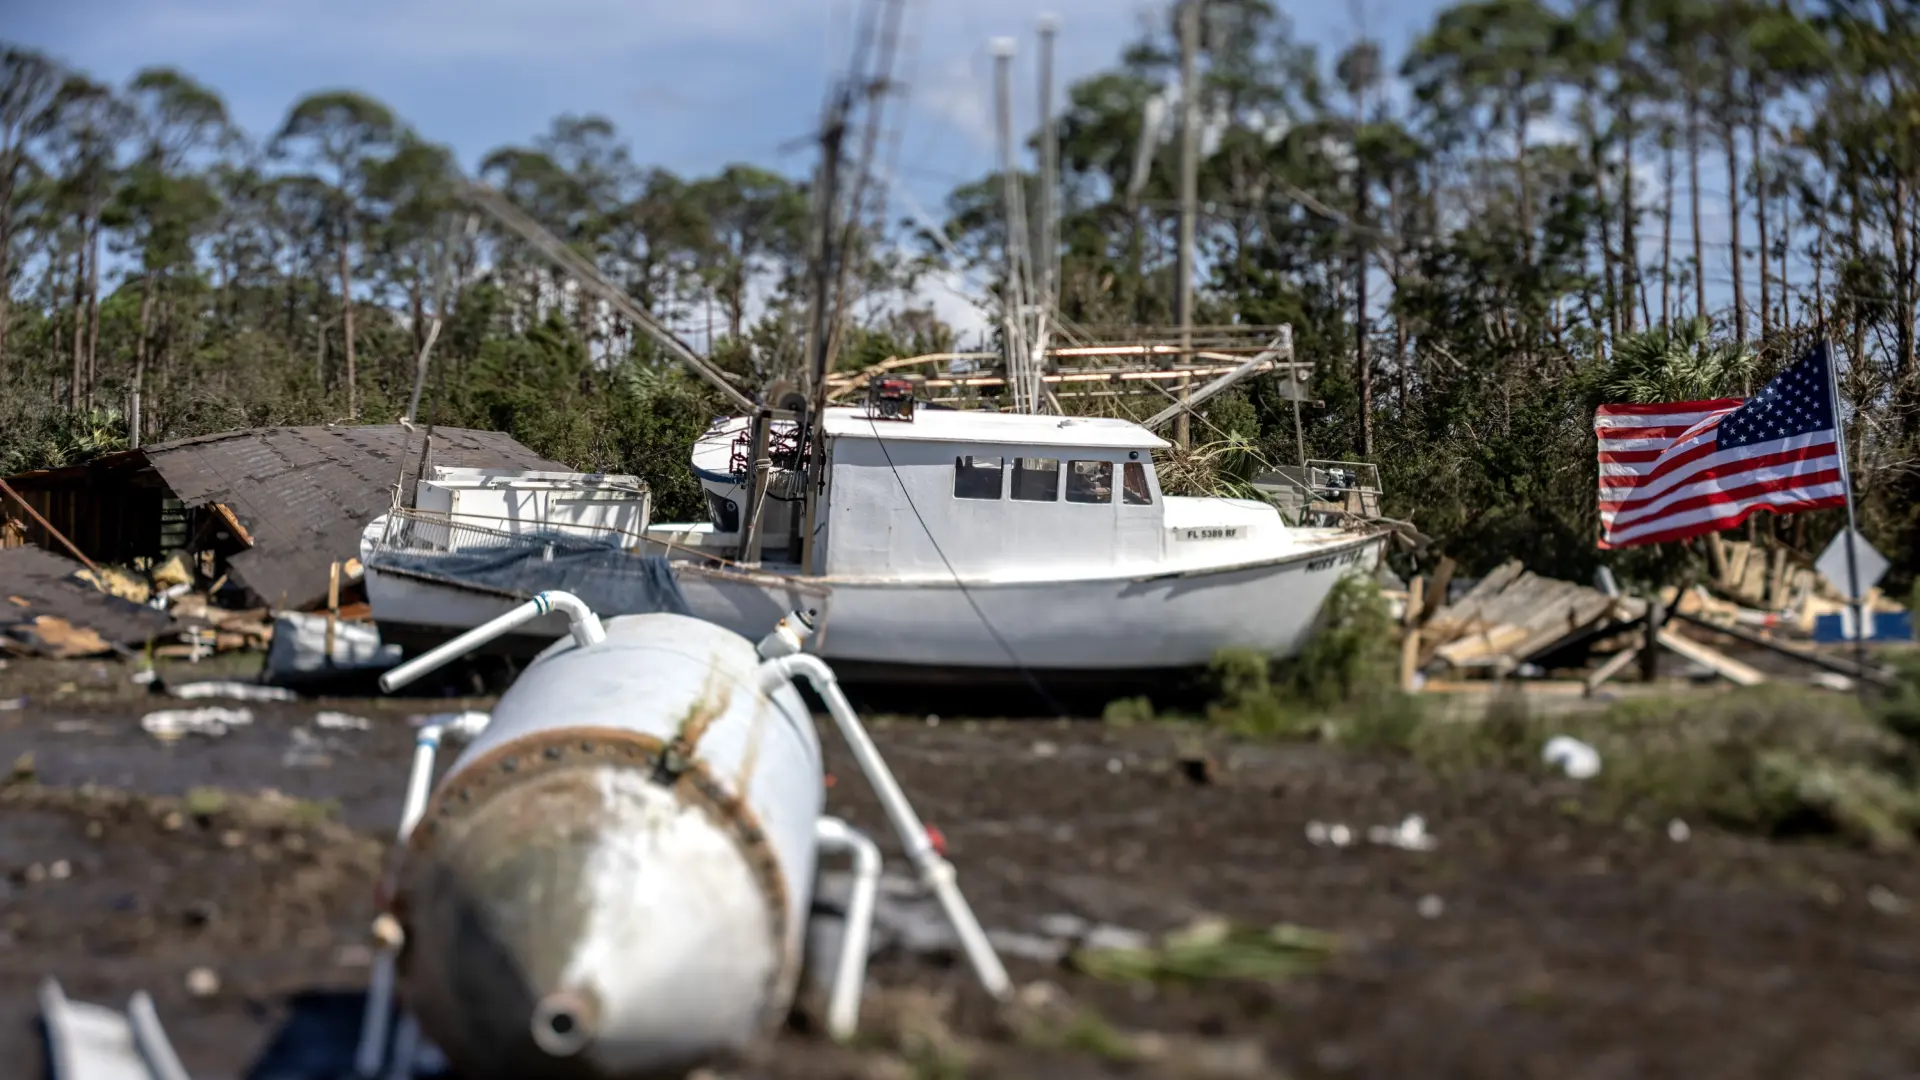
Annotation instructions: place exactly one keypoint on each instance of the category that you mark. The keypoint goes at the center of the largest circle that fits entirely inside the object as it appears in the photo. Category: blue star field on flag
(1798, 401)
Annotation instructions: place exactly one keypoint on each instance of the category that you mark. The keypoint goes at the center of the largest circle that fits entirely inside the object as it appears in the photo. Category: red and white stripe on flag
(1665, 475)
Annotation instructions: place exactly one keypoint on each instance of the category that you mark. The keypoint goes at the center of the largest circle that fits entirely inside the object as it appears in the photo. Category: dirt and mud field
(1533, 940)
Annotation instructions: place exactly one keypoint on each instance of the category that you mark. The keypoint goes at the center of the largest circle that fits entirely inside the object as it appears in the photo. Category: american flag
(1671, 471)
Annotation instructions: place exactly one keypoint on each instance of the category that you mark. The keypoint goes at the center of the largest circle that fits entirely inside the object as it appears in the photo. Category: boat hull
(892, 631)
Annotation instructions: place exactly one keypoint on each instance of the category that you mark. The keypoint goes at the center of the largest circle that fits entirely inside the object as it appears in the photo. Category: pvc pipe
(406, 1047)
(582, 622)
(850, 967)
(150, 1039)
(378, 1014)
(934, 870)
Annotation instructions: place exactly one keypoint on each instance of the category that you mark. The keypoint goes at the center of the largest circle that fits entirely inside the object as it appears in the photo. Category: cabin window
(1133, 484)
(976, 477)
(1090, 481)
(1036, 479)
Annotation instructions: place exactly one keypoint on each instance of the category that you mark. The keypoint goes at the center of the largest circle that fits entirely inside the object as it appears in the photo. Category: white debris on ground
(213, 722)
(1431, 906)
(339, 721)
(1678, 832)
(1410, 835)
(1320, 834)
(237, 690)
(309, 751)
(1571, 756)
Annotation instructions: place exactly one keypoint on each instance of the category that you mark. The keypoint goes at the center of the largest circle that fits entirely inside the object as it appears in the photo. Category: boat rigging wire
(1026, 672)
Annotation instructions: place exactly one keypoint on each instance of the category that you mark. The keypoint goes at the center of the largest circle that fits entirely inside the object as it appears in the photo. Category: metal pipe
(378, 1014)
(850, 967)
(935, 871)
(584, 624)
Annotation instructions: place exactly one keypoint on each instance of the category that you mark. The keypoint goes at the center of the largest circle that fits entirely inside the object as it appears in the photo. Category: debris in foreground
(1213, 948)
(168, 725)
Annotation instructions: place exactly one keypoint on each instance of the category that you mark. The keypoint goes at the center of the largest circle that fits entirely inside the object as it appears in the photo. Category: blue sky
(692, 84)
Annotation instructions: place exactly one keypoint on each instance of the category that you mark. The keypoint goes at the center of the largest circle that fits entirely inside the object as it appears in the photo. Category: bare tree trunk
(1902, 282)
(140, 352)
(76, 387)
(1629, 245)
(93, 310)
(1596, 158)
(1526, 185)
(1760, 216)
(1401, 361)
(1666, 246)
(1693, 185)
(1363, 365)
(7, 182)
(346, 328)
(1785, 243)
(1733, 223)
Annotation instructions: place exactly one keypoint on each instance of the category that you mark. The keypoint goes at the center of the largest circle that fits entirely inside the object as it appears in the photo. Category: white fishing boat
(944, 542)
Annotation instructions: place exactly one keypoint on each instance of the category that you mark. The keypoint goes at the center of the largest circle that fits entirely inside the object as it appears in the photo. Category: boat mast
(1047, 265)
(819, 332)
(1189, 197)
(1015, 304)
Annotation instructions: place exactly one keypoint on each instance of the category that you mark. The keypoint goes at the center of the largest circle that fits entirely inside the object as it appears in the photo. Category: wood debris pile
(1516, 622)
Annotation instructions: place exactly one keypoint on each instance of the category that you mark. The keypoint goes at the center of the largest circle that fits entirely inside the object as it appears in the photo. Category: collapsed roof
(297, 498)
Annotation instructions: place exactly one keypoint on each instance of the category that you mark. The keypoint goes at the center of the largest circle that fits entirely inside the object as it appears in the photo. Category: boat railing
(425, 529)
(1323, 493)
(438, 545)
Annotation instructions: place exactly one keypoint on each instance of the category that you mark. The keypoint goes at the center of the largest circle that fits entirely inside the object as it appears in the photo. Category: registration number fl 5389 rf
(1215, 532)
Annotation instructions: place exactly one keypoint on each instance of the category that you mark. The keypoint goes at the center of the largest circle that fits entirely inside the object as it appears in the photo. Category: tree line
(1537, 208)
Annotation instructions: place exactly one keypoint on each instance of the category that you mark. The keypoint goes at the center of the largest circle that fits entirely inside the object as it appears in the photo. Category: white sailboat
(947, 543)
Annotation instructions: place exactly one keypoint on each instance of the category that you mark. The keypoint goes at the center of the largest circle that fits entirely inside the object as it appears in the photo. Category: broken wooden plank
(1718, 662)
(1437, 594)
(1614, 666)
(233, 522)
(1830, 663)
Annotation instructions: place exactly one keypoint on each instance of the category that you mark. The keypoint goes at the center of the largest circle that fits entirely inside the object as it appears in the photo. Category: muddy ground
(1532, 941)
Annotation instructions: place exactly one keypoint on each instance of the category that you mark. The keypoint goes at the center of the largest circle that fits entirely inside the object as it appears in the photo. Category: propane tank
(612, 881)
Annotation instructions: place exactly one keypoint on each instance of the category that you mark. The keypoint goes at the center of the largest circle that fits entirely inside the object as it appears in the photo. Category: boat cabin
(980, 493)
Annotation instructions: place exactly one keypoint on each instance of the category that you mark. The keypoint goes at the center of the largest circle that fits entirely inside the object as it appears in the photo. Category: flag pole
(1860, 628)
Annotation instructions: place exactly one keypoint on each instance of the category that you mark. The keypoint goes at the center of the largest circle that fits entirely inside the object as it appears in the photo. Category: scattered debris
(1320, 834)
(1571, 756)
(237, 690)
(1678, 832)
(1883, 900)
(168, 725)
(339, 721)
(309, 751)
(51, 612)
(1213, 948)
(13, 704)
(1513, 615)
(1431, 906)
(298, 652)
(1410, 835)
(203, 982)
